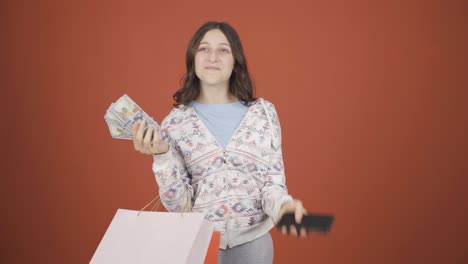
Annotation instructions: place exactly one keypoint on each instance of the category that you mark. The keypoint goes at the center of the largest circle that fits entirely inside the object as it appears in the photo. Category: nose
(213, 56)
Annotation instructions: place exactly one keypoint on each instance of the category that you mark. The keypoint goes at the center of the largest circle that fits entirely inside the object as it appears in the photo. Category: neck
(215, 95)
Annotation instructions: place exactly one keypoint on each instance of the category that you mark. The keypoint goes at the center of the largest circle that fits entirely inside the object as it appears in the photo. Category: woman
(219, 149)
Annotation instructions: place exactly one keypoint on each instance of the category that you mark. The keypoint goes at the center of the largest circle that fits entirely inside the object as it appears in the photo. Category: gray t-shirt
(221, 119)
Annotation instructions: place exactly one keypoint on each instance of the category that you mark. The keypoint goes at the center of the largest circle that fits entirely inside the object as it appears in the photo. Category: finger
(148, 135)
(281, 211)
(284, 230)
(156, 137)
(135, 128)
(140, 130)
(157, 145)
(136, 144)
(293, 230)
(147, 140)
(138, 140)
(303, 233)
(299, 212)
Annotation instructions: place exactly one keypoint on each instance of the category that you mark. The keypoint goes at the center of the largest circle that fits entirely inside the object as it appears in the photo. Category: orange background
(371, 96)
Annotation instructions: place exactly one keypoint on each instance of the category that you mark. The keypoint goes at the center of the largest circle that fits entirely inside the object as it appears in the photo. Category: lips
(212, 68)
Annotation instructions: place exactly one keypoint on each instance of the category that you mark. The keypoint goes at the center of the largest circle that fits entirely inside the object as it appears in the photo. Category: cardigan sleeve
(274, 191)
(175, 189)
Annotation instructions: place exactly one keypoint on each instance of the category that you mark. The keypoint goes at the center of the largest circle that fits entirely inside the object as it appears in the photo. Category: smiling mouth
(212, 68)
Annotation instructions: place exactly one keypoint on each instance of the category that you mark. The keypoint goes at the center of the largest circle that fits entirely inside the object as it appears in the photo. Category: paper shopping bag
(154, 237)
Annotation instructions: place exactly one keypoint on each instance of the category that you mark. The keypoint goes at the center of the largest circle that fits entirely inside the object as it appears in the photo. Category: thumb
(285, 207)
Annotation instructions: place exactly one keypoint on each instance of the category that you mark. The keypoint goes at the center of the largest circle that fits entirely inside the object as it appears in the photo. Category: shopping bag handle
(155, 206)
(157, 202)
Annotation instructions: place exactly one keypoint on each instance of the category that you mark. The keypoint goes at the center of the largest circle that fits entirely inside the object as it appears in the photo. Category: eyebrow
(223, 43)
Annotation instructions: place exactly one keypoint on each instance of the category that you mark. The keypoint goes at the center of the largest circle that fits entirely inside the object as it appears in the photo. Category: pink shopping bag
(155, 237)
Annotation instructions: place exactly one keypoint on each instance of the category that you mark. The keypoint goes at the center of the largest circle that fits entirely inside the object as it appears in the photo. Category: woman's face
(213, 59)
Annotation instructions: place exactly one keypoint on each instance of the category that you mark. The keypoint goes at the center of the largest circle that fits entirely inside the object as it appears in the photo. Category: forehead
(214, 37)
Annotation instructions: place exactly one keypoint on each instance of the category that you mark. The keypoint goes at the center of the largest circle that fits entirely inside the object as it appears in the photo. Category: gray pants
(258, 251)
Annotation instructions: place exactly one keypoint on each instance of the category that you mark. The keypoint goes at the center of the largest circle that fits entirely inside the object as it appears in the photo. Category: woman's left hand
(294, 206)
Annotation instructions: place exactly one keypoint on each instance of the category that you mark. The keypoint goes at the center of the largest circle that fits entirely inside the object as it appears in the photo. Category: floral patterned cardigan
(240, 187)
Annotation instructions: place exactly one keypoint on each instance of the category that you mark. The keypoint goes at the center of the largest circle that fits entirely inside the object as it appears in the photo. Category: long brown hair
(240, 84)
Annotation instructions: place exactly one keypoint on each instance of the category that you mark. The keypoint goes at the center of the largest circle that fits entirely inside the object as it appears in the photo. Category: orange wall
(371, 96)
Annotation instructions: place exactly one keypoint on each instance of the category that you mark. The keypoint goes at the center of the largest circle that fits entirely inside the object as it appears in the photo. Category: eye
(203, 49)
(226, 51)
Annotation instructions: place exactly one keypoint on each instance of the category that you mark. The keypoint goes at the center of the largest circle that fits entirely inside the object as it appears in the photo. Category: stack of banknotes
(121, 116)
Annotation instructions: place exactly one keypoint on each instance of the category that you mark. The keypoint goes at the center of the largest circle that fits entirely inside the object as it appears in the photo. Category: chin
(212, 81)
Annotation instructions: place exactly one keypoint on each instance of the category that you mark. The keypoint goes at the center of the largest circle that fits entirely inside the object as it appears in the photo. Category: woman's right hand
(149, 142)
